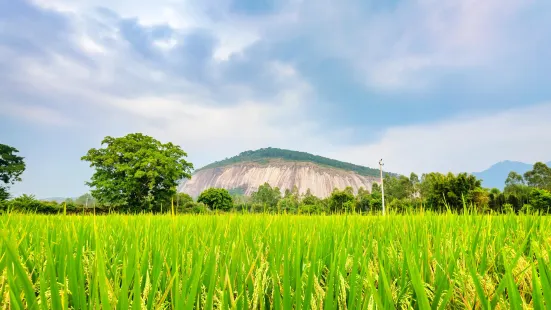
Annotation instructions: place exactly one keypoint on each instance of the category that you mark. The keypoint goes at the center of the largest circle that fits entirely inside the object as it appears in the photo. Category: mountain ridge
(264, 154)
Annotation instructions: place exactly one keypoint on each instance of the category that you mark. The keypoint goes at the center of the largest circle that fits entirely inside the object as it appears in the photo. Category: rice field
(231, 261)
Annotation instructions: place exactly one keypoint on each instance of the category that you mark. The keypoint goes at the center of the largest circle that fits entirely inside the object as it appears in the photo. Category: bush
(259, 208)
(195, 208)
(241, 207)
(182, 199)
(216, 199)
(400, 205)
(288, 205)
(540, 200)
(25, 203)
(363, 203)
(508, 208)
(341, 200)
(317, 208)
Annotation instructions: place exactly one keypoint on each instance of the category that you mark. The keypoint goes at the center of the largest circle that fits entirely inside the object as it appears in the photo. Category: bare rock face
(248, 176)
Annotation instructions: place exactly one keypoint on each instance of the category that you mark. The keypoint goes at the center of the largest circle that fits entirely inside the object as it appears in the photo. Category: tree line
(137, 173)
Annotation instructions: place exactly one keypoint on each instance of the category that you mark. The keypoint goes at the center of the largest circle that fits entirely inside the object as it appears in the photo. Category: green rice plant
(275, 261)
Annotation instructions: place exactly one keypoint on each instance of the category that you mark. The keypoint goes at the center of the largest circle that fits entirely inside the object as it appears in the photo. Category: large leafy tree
(539, 176)
(516, 191)
(540, 200)
(216, 199)
(514, 179)
(397, 187)
(11, 168)
(449, 190)
(136, 172)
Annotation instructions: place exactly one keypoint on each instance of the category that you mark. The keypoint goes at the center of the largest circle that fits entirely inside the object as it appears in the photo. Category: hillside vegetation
(264, 154)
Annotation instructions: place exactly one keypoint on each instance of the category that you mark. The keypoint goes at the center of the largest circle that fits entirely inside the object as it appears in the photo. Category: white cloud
(233, 34)
(90, 46)
(410, 46)
(469, 143)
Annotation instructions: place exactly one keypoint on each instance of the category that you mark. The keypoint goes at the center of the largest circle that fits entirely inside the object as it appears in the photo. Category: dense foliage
(136, 172)
(262, 155)
(229, 261)
(11, 168)
(216, 199)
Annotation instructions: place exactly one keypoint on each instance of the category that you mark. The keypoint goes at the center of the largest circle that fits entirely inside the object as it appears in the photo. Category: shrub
(508, 208)
(288, 205)
(540, 200)
(195, 208)
(400, 205)
(317, 208)
(216, 199)
(259, 208)
(182, 199)
(25, 203)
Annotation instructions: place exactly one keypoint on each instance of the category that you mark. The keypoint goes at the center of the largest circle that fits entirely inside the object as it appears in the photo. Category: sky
(427, 85)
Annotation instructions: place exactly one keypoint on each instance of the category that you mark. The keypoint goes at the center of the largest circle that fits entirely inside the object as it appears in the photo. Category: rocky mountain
(496, 175)
(282, 168)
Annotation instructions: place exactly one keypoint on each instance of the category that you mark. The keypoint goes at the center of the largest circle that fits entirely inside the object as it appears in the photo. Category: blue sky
(428, 85)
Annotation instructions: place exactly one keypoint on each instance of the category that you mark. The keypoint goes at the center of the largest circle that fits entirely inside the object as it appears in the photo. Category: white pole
(382, 185)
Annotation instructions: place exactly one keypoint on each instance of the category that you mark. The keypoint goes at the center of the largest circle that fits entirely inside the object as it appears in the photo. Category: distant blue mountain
(496, 175)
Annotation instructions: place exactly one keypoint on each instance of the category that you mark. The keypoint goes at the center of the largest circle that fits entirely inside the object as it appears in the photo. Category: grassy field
(419, 261)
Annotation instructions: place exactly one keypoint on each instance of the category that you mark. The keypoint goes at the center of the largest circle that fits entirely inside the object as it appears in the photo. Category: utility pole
(382, 185)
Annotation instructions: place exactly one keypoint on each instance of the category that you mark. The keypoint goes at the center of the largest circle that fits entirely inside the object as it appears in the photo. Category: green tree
(181, 200)
(11, 168)
(397, 187)
(290, 201)
(363, 200)
(516, 191)
(514, 179)
(376, 201)
(266, 196)
(414, 184)
(26, 203)
(539, 176)
(310, 204)
(341, 200)
(540, 200)
(136, 172)
(496, 200)
(440, 191)
(288, 204)
(480, 198)
(216, 199)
